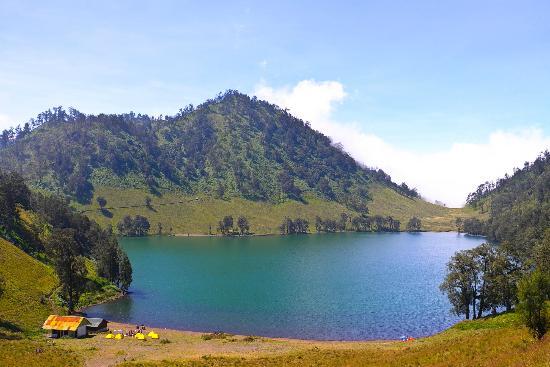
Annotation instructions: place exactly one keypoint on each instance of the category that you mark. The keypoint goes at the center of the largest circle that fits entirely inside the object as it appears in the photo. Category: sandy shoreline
(115, 325)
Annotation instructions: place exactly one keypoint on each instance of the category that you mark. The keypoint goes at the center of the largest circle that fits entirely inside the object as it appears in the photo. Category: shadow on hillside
(8, 331)
(106, 213)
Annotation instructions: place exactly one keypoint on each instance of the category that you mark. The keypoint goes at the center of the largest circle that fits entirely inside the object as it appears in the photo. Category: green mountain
(234, 154)
(518, 206)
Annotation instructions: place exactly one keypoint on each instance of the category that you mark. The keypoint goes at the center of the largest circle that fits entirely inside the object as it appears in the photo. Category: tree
(148, 202)
(159, 229)
(301, 225)
(226, 225)
(343, 221)
(534, 294)
(141, 226)
(318, 224)
(541, 252)
(414, 225)
(287, 226)
(69, 265)
(459, 283)
(106, 255)
(101, 201)
(243, 225)
(459, 223)
(124, 271)
(137, 226)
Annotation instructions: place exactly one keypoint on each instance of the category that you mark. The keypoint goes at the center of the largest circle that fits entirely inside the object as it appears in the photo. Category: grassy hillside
(185, 214)
(28, 283)
(434, 217)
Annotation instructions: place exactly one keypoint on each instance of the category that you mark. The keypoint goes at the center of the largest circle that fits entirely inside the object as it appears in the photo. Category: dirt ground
(174, 344)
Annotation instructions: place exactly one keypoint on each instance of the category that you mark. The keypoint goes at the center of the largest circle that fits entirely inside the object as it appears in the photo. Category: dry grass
(198, 216)
(495, 341)
(434, 217)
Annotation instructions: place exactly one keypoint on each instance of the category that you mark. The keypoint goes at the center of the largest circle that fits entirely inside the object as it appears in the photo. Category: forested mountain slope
(229, 148)
(52, 257)
(518, 205)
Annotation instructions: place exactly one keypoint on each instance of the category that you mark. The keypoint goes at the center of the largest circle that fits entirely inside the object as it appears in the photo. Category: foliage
(230, 146)
(134, 226)
(101, 201)
(482, 279)
(47, 228)
(68, 264)
(225, 226)
(534, 298)
(297, 226)
(414, 225)
(518, 205)
(243, 225)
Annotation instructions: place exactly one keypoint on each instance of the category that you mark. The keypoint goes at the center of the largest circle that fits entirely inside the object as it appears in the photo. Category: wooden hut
(72, 326)
(97, 325)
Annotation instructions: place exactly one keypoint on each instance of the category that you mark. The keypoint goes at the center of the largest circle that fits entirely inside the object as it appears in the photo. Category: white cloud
(447, 175)
(5, 122)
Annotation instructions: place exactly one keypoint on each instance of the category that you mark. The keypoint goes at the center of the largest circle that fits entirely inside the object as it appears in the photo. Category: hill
(239, 154)
(28, 286)
(517, 206)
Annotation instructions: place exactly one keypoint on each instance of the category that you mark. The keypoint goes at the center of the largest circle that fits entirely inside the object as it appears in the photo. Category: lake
(344, 286)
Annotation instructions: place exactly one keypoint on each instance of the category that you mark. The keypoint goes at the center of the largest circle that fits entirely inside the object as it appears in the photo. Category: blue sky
(420, 75)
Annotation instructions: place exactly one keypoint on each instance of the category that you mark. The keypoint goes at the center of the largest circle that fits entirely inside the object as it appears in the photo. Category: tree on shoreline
(137, 226)
(414, 225)
(243, 225)
(225, 226)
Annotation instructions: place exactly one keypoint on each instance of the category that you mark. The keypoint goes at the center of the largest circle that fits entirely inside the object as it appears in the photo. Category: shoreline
(273, 338)
(294, 234)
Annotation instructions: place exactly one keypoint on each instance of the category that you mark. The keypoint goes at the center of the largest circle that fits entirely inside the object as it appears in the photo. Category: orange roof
(70, 323)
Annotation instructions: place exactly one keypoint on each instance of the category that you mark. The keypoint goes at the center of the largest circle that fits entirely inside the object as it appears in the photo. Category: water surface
(346, 286)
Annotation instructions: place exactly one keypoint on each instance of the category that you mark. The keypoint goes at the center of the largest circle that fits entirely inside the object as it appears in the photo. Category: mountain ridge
(230, 147)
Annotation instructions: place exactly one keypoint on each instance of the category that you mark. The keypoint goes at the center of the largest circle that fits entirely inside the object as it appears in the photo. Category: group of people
(139, 329)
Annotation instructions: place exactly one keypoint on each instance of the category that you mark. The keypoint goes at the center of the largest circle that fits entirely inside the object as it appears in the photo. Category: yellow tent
(139, 336)
(109, 336)
(119, 336)
(153, 335)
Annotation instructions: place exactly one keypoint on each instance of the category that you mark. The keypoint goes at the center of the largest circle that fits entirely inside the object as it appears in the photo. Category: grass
(28, 283)
(25, 352)
(189, 215)
(434, 217)
(495, 341)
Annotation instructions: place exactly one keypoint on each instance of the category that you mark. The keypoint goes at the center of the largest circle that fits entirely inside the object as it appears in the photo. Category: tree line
(61, 237)
(347, 222)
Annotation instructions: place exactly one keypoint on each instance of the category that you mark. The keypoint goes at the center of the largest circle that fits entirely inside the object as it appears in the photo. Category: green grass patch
(29, 284)
(200, 214)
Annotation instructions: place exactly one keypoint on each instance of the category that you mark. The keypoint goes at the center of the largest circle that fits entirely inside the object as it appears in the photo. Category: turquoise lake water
(345, 286)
